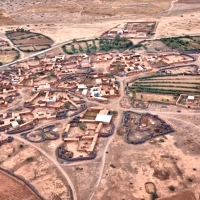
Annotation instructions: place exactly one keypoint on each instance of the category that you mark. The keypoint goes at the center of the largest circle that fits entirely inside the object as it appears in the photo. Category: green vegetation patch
(97, 45)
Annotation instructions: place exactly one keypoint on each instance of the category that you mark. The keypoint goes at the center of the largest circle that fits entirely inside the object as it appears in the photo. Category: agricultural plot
(182, 43)
(186, 43)
(97, 45)
(7, 56)
(172, 85)
(34, 48)
(28, 41)
(12, 188)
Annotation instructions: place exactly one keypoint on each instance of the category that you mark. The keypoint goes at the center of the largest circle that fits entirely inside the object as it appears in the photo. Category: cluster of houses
(82, 133)
(188, 101)
(129, 64)
(132, 30)
(169, 59)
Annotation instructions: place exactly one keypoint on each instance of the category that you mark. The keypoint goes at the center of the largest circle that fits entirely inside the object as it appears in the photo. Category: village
(111, 109)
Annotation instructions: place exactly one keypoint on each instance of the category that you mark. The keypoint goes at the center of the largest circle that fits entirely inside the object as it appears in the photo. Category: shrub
(161, 140)
(40, 101)
(1, 63)
(42, 94)
(29, 159)
(194, 169)
(21, 146)
(67, 105)
(154, 196)
(190, 180)
(172, 188)
(113, 166)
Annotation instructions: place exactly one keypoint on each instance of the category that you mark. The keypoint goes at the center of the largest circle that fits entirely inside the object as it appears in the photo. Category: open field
(49, 12)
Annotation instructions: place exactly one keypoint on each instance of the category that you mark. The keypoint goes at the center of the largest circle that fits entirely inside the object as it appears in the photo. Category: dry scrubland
(48, 11)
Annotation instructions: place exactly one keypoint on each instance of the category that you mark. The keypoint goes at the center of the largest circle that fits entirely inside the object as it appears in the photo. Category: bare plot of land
(27, 48)
(7, 56)
(155, 46)
(155, 97)
(184, 195)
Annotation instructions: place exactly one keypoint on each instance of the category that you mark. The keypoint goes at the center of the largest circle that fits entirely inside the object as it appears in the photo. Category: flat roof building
(103, 118)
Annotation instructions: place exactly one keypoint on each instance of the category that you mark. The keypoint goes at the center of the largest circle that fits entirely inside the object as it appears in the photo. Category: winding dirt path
(171, 6)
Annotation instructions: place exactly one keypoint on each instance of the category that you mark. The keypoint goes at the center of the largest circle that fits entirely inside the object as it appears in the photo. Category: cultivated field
(172, 85)
(28, 41)
(168, 44)
(12, 188)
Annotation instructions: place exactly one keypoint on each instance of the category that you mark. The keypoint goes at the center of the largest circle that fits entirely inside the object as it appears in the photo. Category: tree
(73, 48)
(52, 73)
(133, 94)
(67, 105)
(82, 126)
(101, 41)
(40, 101)
(1, 63)
(36, 58)
(124, 39)
(80, 48)
(118, 65)
(172, 188)
(117, 38)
